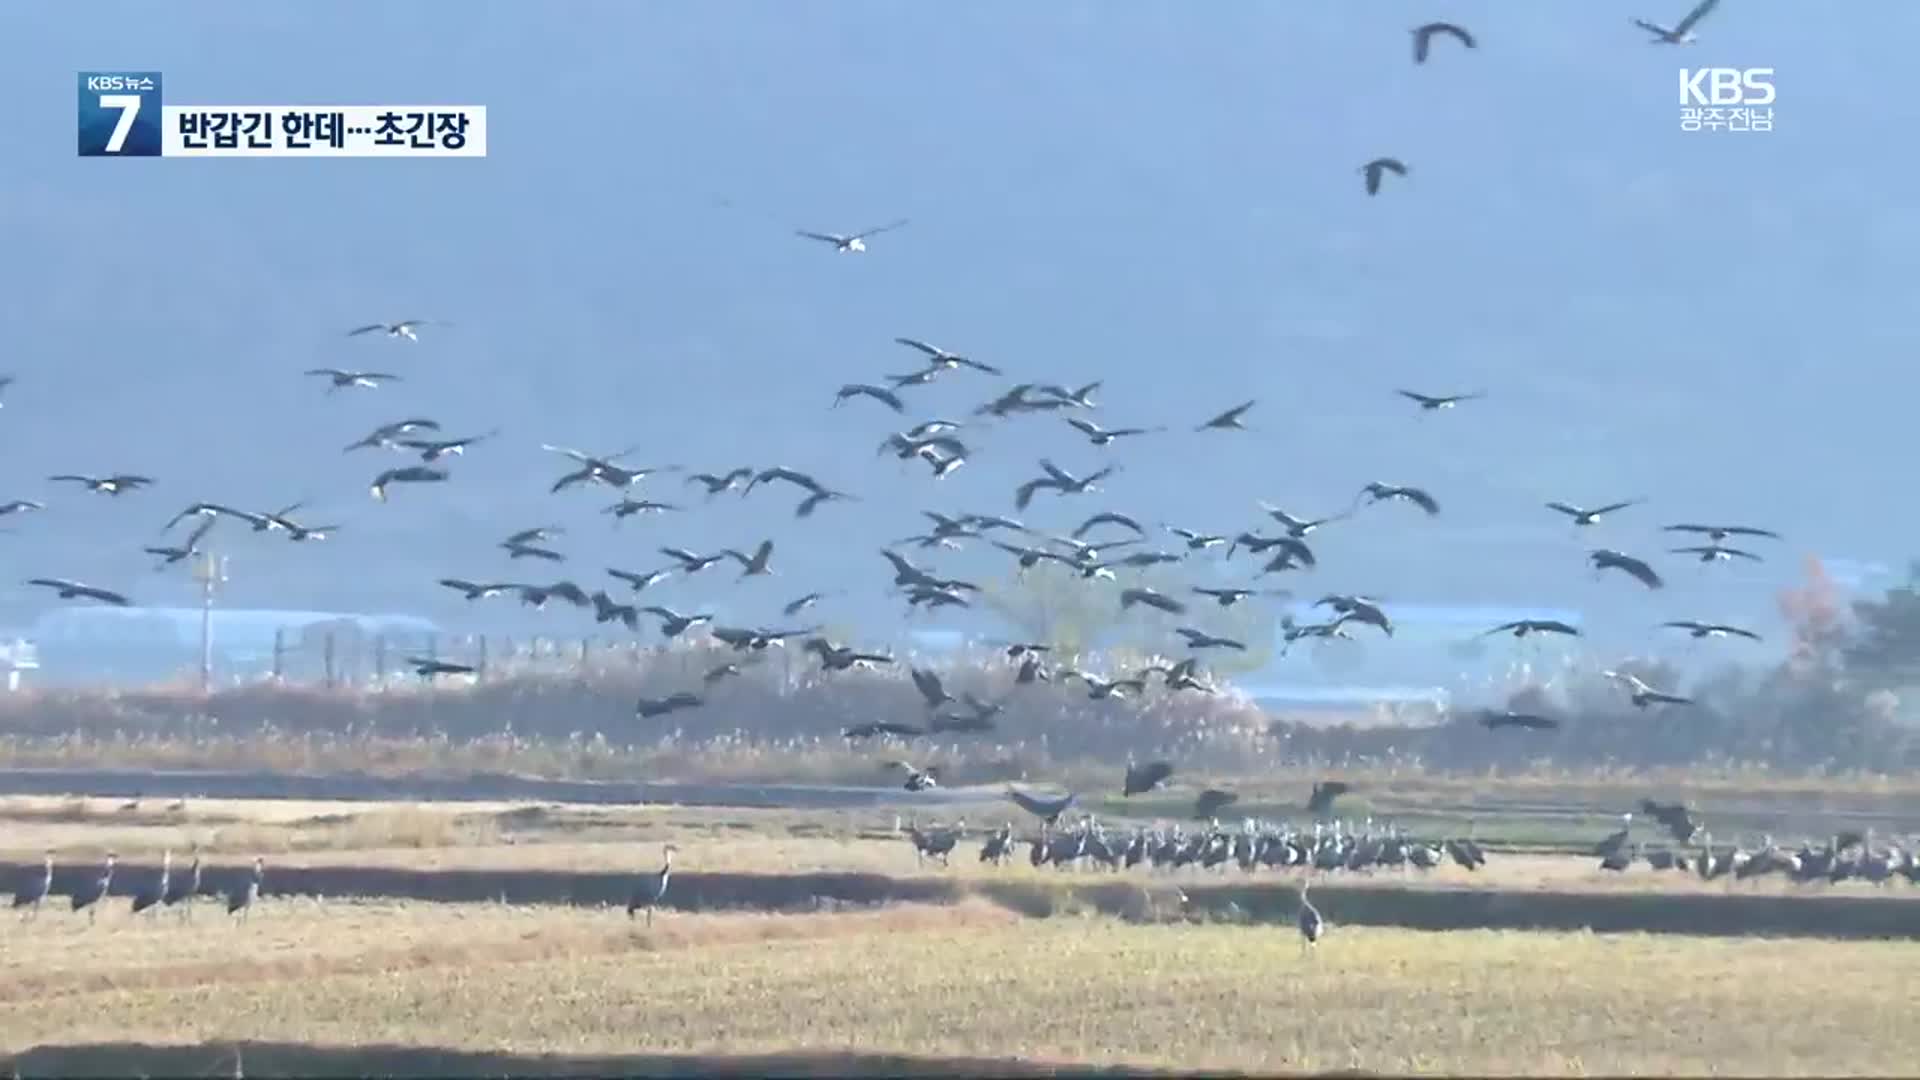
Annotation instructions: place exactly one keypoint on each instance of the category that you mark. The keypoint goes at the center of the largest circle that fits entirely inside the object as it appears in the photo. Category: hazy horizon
(1161, 200)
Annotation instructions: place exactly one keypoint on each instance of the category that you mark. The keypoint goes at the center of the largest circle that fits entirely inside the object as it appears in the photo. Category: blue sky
(1161, 196)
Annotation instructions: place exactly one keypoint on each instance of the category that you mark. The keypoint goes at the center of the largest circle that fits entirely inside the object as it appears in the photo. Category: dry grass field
(594, 839)
(964, 981)
(1014, 963)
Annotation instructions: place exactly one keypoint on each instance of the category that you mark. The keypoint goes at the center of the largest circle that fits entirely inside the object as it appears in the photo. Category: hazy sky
(1161, 196)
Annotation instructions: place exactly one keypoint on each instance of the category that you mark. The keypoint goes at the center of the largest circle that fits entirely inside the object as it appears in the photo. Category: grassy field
(972, 980)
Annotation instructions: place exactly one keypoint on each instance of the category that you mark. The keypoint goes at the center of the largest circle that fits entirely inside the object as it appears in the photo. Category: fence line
(342, 659)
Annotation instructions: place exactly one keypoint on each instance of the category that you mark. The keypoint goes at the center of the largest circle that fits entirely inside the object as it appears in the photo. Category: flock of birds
(1842, 857)
(1100, 547)
(166, 891)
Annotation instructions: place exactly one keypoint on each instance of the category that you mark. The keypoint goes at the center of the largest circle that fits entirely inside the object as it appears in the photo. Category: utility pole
(210, 571)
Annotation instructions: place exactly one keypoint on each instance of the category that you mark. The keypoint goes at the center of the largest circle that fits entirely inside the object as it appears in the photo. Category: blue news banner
(123, 114)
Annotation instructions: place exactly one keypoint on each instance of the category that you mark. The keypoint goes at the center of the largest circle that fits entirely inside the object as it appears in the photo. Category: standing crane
(33, 893)
(87, 895)
(240, 900)
(184, 889)
(1309, 920)
(652, 889)
(148, 900)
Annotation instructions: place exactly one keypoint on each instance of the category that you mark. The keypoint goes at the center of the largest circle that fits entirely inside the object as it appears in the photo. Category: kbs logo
(1726, 99)
(119, 114)
(1726, 86)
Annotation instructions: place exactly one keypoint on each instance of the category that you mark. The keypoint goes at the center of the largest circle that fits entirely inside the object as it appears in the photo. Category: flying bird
(1606, 558)
(1200, 639)
(1045, 808)
(915, 378)
(71, 590)
(1682, 32)
(754, 565)
(401, 329)
(1320, 801)
(1145, 777)
(1423, 38)
(1717, 533)
(342, 380)
(383, 436)
(1108, 518)
(432, 450)
(1229, 420)
(1582, 516)
(20, 506)
(672, 623)
(1374, 169)
(1211, 801)
(727, 481)
(1358, 609)
(170, 555)
(1379, 492)
(1061, 481)
(1522, 627)
(850, 243)
(648, 708)
(1707, 630)
(626, 508)
(1299, 528)
(1643, 695)
(878, 393)
(640, 581)
(1081, 398)
(795, 607)
(1151, 598)
(210, 511)
(917, 779)
(428, 668)
(882, 727)
(537, 534)
(941, 358)
(1227, 597)
(597, 469)
(116, 484)
(1431, 403)
(1196, 541)
(930, 687)
(536, 596)
(477, 591)
(1494, 720)
(1716, 553)
(412, 474)
(1100, 436)
(522, 549)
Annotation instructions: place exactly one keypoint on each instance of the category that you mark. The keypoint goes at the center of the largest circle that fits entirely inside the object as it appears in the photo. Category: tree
(1056, 606)
(1884, 650)
(1051, 605)
(1814, 613)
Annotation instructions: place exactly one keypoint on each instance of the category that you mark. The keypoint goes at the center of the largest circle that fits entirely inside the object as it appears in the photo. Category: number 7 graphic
(129, 106)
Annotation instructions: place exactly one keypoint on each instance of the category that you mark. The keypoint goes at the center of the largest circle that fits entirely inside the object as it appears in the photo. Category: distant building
(16, 658)
(148, 644)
